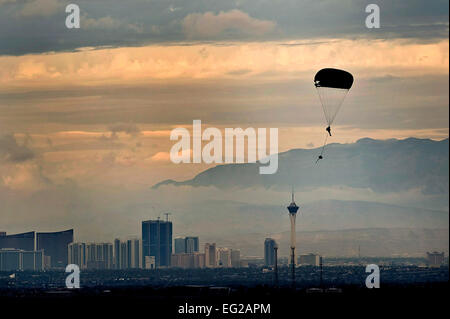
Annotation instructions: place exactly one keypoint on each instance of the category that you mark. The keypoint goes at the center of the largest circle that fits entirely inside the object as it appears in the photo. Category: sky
(86, 114)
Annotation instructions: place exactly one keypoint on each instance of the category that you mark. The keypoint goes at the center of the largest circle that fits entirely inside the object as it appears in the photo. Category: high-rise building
(128, 254)
(123, 252)
(107, 254)
(134, 253)
(33, 260)
(10, 259)
(188, 261)
(180, 245)
(309, 260)
(55, 245)
(23, 241)
(2, 233)
(435, 259)
(210, 255)
(157, 241)
(192, 245)
(186, 245)
(117, 263)
(99, 256)
(235, 258)
(91, 255)
(77, 254)
(224, 257)
(269, 252)
(16, 259)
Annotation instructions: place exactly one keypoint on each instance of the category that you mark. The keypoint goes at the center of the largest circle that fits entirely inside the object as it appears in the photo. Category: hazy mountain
(381, 165)
(389, 168)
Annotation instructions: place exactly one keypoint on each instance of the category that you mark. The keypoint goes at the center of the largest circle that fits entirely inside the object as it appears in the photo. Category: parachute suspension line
(323, 148)
(324, 144)
(331, 100)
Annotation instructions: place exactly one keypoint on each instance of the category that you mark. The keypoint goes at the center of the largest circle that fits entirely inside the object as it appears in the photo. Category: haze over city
(86, 116)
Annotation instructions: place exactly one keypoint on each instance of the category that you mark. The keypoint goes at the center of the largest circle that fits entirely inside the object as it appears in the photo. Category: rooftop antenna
(167, 216)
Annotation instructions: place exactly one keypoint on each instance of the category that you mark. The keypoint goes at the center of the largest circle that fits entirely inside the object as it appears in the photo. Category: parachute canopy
(332, 86)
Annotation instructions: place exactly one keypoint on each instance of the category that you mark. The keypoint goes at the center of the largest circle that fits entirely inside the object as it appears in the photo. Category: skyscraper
(116, 253)
(33, 260)
(435, 259)
(210, 255)
(134, 253)
(99, 255)
(55, 245)
(191, 245)
(123, 253)
(23, 241)
(180, 245)
(269, 252)
(186, 245)
(77, 254)
(157, 241)
(224, 257)
(235, 258)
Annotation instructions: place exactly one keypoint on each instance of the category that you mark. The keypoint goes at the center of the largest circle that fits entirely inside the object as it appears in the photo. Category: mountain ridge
(381, 165)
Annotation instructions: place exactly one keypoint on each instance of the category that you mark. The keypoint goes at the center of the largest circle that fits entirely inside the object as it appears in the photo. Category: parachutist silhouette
(328, 129)
(319, 158)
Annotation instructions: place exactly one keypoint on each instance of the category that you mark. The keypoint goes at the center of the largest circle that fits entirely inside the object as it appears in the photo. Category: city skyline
(220, 158)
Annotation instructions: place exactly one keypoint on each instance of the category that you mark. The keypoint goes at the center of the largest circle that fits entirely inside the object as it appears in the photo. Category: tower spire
(292, 191)
(292, 208)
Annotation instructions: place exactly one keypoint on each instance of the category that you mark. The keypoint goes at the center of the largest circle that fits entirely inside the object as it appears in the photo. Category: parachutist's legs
(328, 129)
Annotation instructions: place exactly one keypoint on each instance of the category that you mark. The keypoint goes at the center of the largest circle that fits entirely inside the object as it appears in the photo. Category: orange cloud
(370, 58)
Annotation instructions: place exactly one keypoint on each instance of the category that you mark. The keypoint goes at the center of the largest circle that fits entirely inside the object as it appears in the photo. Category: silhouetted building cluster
(435, 259)
(34, 251)
(55, 250)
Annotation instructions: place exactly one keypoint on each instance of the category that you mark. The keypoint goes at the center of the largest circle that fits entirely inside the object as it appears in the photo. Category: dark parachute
(332, 86)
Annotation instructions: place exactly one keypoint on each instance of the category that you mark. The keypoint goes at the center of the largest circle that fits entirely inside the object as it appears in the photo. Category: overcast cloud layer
(31, 26)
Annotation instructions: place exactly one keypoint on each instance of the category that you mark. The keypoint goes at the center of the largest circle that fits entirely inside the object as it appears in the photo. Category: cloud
(208, 25)
(11, 151)
(128, 128)
(43, 8)
(161, 157)
(108, 23)
(274, 59)
(137, 23)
